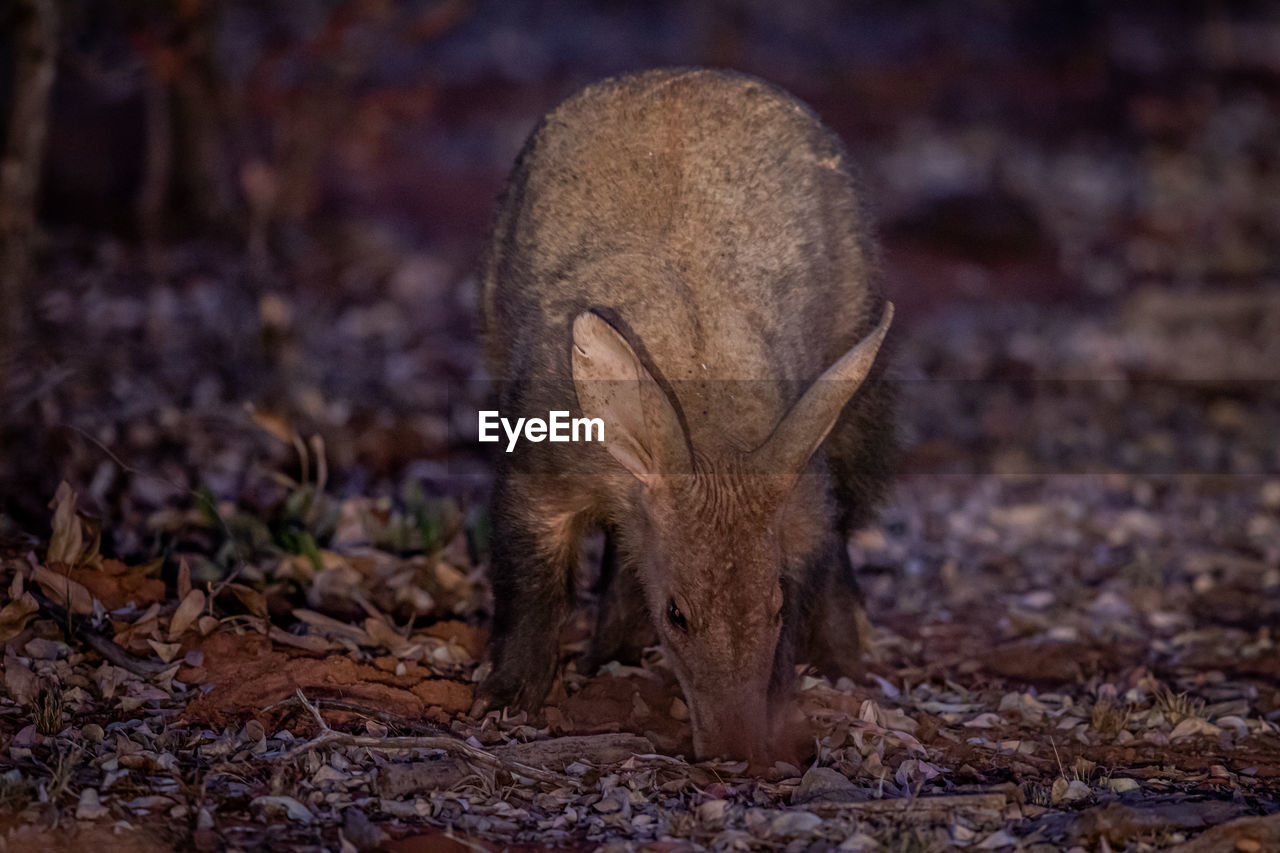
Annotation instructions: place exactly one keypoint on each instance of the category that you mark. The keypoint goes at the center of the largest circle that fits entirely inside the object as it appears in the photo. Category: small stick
(329, 737)
(100, 643)
(385, 717)
(936, 806)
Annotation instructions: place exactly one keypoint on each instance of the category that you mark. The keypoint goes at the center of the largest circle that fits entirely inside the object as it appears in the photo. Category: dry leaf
(253, 600)
(64, 591)
(20, 681)
(187, 613)
(115, 585)
(274, 426)
(67, 542)
(383, 634)
(15, 616)
(713, 811)
(288, 805)
(334, 627)
(1068, 792)
(166, 651)
(1193, 726)
(309, 642)
(90, 807)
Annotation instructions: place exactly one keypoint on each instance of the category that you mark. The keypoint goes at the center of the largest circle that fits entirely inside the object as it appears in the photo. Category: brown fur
(697, 231)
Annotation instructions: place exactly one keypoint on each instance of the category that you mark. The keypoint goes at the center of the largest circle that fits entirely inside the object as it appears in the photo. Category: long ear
(804, 428)
(641, 429)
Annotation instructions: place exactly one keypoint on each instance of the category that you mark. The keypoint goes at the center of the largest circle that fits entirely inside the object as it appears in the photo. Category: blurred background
(211, 204)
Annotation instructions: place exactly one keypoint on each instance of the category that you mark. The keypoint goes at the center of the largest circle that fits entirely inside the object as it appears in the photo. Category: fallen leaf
(1068, 792)
(275, 426)
(859, 842)
(64, 591)
(116, 585)
(41, 648)
(1192, 726)
(67, 542)
(383, 634)
(334, 627)
(712, 812)
(15, 616)
(253, 600)
(166, 651)
(288, 806)
(308, 642)
(794, 823)
(187, 613)
(997, 840)
(90, 807)
(823, 783)
(20, 681)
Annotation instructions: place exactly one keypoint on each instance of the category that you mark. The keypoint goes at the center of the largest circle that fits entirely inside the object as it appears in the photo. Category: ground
(243, 527)
(1059, 659)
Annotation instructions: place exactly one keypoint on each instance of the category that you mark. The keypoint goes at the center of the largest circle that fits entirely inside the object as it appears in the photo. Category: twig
(660, 758)
(330, 737)
(99, 642)
(599, 750)
(384, 717)
(936, 806)
(457, 839)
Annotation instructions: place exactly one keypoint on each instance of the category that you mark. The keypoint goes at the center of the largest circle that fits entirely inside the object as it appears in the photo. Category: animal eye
(675, 617)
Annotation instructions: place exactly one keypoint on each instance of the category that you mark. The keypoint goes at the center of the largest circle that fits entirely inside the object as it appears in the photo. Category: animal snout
(733, 727)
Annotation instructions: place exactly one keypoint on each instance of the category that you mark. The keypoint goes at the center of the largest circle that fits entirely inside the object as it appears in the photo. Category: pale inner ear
(641, 429)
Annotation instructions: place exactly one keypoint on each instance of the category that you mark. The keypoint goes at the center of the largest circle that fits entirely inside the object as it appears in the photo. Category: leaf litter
(1009, 703)
(1067, 655)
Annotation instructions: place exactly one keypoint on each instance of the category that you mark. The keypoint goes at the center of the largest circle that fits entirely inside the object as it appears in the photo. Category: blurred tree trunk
(198, 115)
(33, 25)
(154, 193)
(187, 184)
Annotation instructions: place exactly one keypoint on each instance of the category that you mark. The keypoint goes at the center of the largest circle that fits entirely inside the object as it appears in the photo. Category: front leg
(531, 568)
(834, 613)
(623, 627)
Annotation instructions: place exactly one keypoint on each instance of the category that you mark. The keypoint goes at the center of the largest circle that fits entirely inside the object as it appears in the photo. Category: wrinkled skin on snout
(716, 601)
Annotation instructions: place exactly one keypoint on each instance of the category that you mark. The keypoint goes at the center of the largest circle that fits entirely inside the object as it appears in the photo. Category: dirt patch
(243, 674)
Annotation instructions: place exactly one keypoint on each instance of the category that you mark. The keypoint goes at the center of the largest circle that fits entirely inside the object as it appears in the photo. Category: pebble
(822, 782)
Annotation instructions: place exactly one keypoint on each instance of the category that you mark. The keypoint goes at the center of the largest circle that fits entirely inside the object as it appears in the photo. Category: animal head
(711, 537)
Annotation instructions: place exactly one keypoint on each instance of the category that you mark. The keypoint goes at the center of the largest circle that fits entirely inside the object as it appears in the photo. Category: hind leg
(833, 636)
(623, 628)
(860, 452)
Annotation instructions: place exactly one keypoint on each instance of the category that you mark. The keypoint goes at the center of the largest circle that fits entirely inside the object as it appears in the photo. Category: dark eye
(675, 617)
